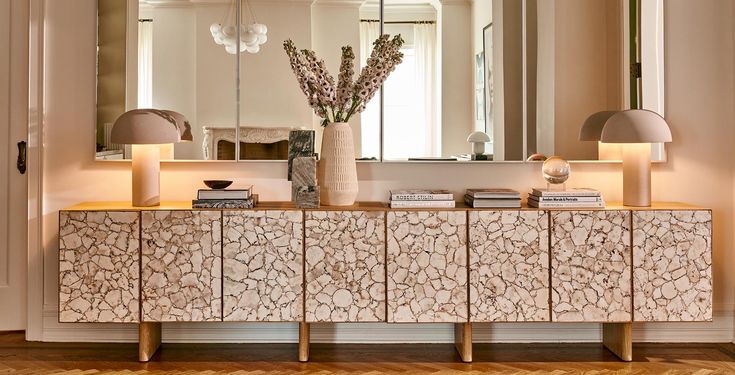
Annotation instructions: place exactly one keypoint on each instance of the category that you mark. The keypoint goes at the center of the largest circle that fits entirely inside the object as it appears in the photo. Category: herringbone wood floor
(18, 356)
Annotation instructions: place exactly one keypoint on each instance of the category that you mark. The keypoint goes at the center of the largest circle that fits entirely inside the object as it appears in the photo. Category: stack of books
(421, 199)
(493, 198)
(569, 198)
(225, 198)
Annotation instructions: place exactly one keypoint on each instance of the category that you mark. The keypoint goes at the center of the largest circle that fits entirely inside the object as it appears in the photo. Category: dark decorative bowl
(217, 184)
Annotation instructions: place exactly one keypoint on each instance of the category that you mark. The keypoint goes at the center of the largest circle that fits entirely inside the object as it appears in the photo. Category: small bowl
(217, 184)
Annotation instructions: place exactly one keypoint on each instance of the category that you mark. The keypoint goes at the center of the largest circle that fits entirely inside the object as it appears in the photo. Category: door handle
(21, 163)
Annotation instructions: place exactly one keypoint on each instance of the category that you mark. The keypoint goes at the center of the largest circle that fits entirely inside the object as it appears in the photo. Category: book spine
(468, 200)
(207, 194)
(422, 204)
(495, 196)
(565, 199)
(222, 203)
(422, 197)
(565, 193)
(567, 205)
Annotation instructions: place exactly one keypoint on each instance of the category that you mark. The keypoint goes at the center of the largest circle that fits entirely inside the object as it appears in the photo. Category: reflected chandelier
(252, 36)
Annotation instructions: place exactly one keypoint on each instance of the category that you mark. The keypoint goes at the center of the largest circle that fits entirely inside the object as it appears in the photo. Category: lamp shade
(183, 124)
(478, 136)
(593, 125)
(149, 126)
(636, 126)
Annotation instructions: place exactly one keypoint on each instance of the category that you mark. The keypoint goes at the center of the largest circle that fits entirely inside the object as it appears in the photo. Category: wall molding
(719, 331)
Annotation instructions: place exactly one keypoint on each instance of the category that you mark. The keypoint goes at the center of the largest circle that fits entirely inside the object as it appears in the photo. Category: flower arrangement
(337, 103)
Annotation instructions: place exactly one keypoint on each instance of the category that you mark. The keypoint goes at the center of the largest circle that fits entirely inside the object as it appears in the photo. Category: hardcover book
(422, 204)
(572, 192)
(203, 194)
(421, 195)
(493, 193)
(492, 203)
(564, 199)
(537, 204)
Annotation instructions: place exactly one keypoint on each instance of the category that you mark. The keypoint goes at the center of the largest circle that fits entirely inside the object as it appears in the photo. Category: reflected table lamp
(635, 129)
(146, 130)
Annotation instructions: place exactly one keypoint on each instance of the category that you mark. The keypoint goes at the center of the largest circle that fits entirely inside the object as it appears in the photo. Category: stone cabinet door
(509, 266)
(263, 269)
(427, 266)
(591, 266)
(181, 266)
(99, 267)
(672, 266)
(345, 266)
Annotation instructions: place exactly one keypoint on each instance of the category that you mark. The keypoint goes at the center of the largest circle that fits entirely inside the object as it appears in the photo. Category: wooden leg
(618, 338)
(149, 339)
(463, 340)
(303, 342)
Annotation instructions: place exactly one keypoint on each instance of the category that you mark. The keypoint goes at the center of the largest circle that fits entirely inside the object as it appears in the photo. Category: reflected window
(411, 125)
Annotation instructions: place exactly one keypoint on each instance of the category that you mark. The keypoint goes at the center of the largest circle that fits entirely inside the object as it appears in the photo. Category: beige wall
(699, 102)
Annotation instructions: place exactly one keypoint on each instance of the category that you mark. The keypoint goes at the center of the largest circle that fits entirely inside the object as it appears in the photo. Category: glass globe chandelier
(252, 36)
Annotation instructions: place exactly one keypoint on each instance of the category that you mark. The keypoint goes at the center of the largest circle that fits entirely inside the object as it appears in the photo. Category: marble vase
(337, 171)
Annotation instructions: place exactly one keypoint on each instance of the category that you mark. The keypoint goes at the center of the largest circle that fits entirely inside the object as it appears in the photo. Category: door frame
(34, 325)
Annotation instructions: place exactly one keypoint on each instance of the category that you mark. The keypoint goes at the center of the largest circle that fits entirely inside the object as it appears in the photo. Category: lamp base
(146, 175)
(637, 174)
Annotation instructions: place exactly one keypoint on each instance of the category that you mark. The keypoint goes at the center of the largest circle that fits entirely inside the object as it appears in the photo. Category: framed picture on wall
(480, 89)
(487, 47)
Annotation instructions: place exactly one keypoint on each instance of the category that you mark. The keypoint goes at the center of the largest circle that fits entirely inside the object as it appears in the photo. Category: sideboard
(368, 263)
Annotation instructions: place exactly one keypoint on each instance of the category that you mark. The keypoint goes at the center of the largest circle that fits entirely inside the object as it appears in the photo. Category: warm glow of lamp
(147, 130)
(636, 129)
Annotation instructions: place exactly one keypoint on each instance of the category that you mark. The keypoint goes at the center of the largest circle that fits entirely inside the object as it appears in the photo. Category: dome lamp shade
(146, 129)
(593, 125)
(636, 126)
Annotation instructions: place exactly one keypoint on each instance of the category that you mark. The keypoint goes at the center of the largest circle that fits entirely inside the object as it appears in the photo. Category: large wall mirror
(175, 62)
(525, 72)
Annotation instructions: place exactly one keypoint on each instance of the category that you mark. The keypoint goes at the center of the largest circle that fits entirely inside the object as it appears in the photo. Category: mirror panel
(587, 77)
(187, 72)
(411, 114)
(111, 75)
(271, 102)
(527, 73)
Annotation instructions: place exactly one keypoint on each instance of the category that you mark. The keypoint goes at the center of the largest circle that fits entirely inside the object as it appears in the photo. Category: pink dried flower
(347, 97)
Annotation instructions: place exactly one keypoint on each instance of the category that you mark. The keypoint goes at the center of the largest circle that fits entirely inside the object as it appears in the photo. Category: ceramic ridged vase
(337, 170)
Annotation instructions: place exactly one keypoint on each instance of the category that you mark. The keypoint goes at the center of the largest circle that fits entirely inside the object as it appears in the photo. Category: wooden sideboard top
(359, 206)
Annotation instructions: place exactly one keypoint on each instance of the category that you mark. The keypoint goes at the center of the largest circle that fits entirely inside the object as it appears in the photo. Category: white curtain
(145, 64)
(427, 105)
(370, 117)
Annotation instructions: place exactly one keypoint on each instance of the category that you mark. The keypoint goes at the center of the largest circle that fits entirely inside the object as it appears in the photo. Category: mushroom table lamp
(478, 140)
(146, 130)
(635, 129)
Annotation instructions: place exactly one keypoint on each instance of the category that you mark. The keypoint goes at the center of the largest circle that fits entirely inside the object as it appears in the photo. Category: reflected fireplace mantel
(248, 134)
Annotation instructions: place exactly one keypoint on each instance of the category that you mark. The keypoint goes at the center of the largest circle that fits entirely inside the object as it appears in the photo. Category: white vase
(337, 171)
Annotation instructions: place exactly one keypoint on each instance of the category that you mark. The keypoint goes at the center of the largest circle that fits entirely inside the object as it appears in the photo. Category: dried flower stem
(339, 103)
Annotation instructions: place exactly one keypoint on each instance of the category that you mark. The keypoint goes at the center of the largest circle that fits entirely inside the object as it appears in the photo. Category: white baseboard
(720, 330)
